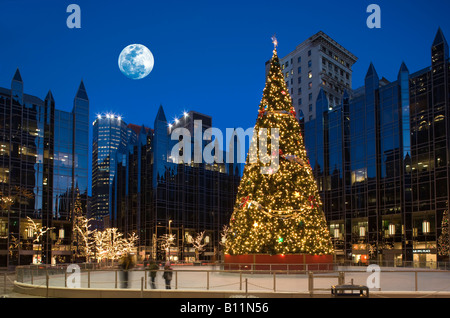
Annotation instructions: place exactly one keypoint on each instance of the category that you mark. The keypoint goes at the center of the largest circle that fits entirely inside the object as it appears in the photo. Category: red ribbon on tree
(261, 113)
(312, 200)
(244, 201)
(293, 112)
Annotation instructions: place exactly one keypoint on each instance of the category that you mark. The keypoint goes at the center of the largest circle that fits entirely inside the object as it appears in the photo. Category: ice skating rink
(213, 279)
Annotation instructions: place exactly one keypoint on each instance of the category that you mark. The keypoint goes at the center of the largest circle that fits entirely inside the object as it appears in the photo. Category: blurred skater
(167, 274)
(126, 264)
(153, 267)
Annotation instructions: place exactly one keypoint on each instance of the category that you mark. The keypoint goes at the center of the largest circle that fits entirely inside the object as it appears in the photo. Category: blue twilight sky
(209, 55)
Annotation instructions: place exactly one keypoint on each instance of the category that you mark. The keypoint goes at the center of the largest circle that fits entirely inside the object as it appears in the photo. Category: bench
(350, 291)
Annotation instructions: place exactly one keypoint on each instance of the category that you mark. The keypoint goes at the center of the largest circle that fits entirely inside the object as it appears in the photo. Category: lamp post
(170, 236)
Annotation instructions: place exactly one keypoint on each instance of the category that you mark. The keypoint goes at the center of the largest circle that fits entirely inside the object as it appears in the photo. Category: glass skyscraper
(43, 169)
(109, 140)
(156, 195)
(381, 162)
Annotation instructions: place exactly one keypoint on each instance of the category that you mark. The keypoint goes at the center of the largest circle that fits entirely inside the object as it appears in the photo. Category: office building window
(310, 85)
(299, 101)
(310, 96)
(299, 90)
(299, 79)
(309, 63)
(309, 53)
(310, 107)
(299, 70)
(310, 74)
(299, 60)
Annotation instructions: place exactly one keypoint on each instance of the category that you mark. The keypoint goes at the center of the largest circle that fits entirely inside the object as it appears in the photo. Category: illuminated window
(391, 229)
(426, 227)
(362, 231)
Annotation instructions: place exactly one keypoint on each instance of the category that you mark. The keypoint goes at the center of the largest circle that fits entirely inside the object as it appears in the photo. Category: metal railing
(269, 279)
(6, 282)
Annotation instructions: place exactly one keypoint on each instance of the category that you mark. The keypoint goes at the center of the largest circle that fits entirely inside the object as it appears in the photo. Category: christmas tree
(278, 208)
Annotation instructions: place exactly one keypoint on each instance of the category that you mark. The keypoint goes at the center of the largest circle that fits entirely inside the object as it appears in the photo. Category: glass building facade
(381, 162)
(155, 195)
(109, 140)
(43, 169)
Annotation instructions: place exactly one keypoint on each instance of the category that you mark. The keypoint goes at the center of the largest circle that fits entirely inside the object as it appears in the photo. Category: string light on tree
(279, 212)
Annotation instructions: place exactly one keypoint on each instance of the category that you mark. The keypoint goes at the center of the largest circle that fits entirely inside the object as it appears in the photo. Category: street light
(170, 236)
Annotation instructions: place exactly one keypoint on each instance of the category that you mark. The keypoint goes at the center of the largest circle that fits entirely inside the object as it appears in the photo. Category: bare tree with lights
(166, 242)
(82, 230)
(199, 244)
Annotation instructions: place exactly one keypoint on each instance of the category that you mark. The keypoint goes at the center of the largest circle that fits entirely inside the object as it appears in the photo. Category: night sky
(209, 55)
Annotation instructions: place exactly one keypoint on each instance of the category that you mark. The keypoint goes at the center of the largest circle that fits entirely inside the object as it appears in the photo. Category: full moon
(136, 61)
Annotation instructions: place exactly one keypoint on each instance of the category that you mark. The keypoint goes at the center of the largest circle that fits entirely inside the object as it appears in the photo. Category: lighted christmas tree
(278, 208)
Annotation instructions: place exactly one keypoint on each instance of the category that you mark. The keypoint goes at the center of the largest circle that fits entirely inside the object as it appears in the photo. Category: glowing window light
(362, 231)
(426, 227)
(391, 229)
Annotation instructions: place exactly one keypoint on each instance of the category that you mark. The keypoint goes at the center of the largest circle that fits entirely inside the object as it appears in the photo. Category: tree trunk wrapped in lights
(278, 210)
(443, 240)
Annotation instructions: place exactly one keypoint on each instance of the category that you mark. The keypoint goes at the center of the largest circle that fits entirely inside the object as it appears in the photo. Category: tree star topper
(274, 41)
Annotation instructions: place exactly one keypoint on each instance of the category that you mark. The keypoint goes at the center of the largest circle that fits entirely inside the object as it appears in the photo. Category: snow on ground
(210, 277)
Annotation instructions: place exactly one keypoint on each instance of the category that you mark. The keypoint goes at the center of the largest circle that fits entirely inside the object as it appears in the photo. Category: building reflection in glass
(155, 196)
(380, 160)
(43, 166)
